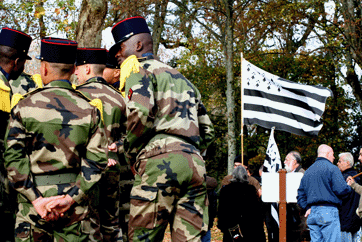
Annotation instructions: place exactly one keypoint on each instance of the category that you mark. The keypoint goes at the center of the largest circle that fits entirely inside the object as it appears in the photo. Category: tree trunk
(230, 97)
(90, 23)
(159, 21)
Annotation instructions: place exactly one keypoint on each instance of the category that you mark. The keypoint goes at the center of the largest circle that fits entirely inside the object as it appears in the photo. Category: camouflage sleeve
(140, 116)
(94, 162)
(207, 132)
(16, 160)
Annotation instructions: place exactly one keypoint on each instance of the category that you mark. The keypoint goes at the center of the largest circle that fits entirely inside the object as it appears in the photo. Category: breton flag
(273, 163)
(271, 101)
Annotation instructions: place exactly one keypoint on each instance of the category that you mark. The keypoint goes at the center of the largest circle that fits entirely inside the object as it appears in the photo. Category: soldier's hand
(60, 205)
(111, 162)
(113, 147)
(41, 202)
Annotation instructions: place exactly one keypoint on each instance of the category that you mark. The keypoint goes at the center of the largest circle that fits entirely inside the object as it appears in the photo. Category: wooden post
(282, 205)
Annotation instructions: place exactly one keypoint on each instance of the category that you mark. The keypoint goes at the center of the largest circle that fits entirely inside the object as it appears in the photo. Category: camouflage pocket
(143, 210)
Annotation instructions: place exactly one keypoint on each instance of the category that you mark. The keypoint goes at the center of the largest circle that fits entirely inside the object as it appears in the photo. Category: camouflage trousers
(30, 227)
(169, 187)
(110, 202)
(104, 207)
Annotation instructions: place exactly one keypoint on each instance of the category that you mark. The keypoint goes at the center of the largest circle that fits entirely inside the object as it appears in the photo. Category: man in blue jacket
(320, 192)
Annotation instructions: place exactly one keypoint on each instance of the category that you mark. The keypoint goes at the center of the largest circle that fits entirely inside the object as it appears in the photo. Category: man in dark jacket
(350, 222)
(320, 192)
(296, 222)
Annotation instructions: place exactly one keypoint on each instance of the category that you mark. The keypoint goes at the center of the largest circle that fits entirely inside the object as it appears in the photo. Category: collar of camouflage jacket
(96, 79)
(146, 56)
(60, 83)
(5, 74)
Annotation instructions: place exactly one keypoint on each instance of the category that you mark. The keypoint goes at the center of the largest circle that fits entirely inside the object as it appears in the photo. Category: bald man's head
(326, 151)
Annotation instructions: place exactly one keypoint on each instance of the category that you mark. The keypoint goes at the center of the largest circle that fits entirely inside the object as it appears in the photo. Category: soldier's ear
(44, 68)
(87, 69)
(73, 69)
(139, 46)
(116, 73)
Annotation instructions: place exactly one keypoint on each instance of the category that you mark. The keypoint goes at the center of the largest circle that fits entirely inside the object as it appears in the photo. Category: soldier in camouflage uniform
(55, 151)
(105, 211)
(167, 128)
(112, 74)
(112, 71)
(14, 47)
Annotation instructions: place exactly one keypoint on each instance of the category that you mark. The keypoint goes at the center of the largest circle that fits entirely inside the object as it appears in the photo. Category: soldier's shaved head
(55, 71)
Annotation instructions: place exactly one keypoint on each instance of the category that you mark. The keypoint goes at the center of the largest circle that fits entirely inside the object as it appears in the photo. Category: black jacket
(350, 222)
(240, 204)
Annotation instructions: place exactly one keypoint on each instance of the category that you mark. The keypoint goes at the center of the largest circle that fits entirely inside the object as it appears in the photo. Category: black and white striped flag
(272, 163)
(271, 101)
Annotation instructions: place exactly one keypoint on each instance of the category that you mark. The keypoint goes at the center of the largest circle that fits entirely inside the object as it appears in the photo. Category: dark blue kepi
(17, 40)
(127, 28)
(57, 50)
(112, 61)
(91, 56)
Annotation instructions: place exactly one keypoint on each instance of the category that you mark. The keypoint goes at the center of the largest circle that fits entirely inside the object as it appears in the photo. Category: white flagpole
(242, 107)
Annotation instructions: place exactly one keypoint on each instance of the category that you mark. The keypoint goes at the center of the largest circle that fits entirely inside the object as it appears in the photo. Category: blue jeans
(323, 223)
(351, 237)
(206, 237)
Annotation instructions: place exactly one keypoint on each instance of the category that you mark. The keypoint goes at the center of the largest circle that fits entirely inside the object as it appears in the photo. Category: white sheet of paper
(270, 188)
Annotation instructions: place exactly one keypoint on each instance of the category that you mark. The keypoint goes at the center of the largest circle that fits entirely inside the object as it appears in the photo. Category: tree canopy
(310, 42)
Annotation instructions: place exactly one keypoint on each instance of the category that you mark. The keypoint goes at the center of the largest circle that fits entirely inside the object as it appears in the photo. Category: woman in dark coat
(239, 204)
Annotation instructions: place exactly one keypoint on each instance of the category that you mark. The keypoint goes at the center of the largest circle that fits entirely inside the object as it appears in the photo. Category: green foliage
(40, 17)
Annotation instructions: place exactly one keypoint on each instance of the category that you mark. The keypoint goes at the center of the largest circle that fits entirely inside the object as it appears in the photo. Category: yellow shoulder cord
(4, 97)
(98, 104)
(37, 79)
(15, 99)
(128, 66)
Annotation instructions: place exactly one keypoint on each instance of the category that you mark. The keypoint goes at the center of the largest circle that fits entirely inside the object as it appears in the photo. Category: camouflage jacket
(54, 130)
(23, 84)
(164, 110)
(114, 108)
